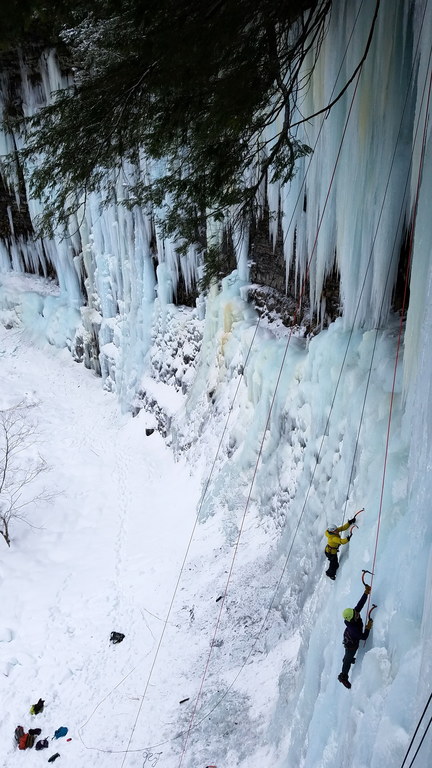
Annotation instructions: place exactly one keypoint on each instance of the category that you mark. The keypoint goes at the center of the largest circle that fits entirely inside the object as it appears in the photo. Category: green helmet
(348, 614)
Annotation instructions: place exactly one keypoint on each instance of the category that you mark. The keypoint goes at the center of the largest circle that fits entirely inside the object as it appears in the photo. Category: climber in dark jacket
(353, 634)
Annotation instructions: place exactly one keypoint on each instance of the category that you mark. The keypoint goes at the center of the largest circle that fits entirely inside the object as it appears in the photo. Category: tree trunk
(5, 532)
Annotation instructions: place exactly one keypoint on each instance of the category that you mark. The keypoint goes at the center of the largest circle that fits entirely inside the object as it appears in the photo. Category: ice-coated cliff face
(286, 434)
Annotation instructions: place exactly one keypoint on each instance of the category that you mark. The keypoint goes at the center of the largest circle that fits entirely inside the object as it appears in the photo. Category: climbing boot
(344, 680)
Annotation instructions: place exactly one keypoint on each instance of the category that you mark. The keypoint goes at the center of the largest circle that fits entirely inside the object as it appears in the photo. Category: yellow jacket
(334, 540)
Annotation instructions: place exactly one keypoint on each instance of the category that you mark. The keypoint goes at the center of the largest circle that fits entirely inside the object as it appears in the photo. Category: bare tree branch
(19, 468)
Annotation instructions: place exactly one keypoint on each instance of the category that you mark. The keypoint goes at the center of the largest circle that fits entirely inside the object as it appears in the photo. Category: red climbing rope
(299, 303)
(402, 317)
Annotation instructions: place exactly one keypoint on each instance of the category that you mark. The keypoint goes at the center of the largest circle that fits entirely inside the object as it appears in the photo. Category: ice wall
(356, 185)
(293, 437)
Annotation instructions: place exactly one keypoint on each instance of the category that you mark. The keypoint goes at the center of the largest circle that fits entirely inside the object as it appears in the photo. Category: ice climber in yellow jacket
(333, 543)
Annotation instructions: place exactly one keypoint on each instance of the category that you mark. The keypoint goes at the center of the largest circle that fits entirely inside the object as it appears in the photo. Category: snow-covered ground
(211, 563)
(104, 555)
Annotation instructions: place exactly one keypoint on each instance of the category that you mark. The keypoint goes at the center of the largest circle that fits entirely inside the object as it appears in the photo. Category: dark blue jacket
(354, 628)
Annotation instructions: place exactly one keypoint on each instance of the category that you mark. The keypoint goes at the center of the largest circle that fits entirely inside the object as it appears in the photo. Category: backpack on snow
(116, 637)
(62, 731)
(42, 744)
(38, 707)
(19, 731)
(22, 744)
(31, 738)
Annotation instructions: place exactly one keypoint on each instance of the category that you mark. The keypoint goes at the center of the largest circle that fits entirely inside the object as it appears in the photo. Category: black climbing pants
(348, 659)
(334, 564)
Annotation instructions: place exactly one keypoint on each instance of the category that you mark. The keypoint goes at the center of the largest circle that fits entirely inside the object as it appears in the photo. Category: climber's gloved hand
(369, 624)
(368, 589)
(352, 521)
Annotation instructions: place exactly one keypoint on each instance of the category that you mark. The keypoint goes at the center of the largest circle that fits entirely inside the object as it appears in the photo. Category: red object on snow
(22, 744)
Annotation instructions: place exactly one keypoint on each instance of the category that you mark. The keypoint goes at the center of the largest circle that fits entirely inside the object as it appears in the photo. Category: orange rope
(402, 315)
(222, 602)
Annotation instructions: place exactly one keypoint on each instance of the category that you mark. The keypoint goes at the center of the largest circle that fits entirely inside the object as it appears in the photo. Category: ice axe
(354, 525)
(369, 617)
(363, 577)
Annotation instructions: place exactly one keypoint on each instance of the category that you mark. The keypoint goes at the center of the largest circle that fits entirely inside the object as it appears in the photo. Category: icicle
(345, 207)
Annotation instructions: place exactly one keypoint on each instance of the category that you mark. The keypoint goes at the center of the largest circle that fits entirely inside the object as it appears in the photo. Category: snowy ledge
(166, 397)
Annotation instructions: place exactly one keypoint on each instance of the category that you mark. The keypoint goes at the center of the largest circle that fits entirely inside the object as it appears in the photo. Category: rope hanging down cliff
(212, 643)
(272, 401)
(403, 309)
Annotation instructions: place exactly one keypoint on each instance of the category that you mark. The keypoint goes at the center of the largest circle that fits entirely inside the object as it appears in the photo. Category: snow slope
(103, 556)
(212, 563)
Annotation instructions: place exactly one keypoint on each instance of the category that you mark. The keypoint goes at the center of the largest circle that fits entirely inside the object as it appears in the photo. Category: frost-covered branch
(195, 89)
(19, 467)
